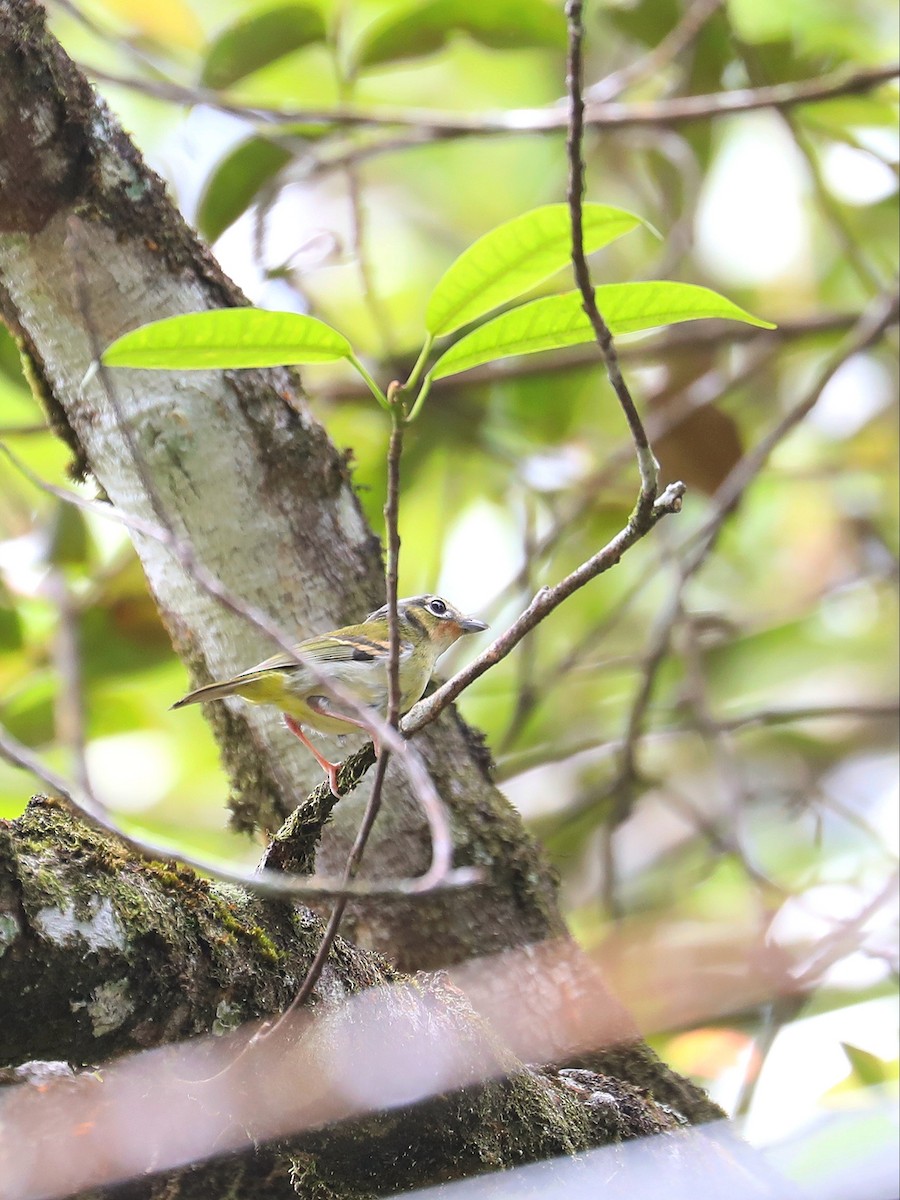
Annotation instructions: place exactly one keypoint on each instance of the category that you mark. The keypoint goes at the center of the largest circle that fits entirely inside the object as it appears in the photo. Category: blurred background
(706, 744)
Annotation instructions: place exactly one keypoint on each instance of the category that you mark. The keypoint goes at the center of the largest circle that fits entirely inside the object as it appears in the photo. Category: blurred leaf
(235, 183)
(815, 28)
(10, 359)
(761, 20)
(557, 321)
(228, 338)
(514, 258)
(29, 713)
(125, 638)
(869, 1070)
(168, 22)
(709, 1052)
(701, 450)
(69, 540)
(424, 29)
(10, 624)
(260, 39)
(702, 445)
(125, 597)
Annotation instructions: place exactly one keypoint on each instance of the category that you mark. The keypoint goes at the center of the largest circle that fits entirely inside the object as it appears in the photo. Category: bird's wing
(345, 645)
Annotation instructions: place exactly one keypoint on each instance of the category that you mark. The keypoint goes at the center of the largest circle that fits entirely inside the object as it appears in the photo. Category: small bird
(356, 658)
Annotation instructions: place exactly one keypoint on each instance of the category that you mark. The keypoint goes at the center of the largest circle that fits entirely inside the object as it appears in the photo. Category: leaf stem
(416, 372)
(370, 383)
(420, 399)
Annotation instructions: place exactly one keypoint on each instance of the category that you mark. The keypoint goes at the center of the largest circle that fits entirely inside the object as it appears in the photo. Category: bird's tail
(212, 691)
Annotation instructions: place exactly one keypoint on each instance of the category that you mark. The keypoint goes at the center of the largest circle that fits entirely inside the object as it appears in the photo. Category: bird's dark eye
(438, 607)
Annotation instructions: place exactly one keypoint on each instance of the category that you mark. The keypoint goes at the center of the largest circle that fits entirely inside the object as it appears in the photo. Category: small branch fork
(647, 464)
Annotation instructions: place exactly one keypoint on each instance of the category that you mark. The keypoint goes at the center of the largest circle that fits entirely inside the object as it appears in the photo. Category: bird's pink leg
(313, 702)
(330, 768)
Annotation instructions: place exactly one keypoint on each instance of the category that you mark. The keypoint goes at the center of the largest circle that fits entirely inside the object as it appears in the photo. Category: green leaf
(228, 337)
(557, 321)
(423, 29)
(869, 1070)
(515, 257)
(235, 183)
(69, 544)
(259, 40)
(10, 624)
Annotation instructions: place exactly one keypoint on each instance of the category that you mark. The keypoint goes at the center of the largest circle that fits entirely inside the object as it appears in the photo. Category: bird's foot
(331, 769)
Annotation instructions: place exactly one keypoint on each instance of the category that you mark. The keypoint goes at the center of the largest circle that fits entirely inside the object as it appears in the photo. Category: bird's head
(431, 618)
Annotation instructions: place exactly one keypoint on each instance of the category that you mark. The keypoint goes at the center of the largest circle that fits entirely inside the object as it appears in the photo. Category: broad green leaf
(557, 321)
(515, 257)
(258, 40)
(236, 181)
(228, 337)
(423, 29)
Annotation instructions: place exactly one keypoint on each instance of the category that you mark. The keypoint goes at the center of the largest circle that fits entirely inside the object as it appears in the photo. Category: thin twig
(669, 48)
(534, 757)
(694, 552)
(432, 124)
(264, 882)
(373, 805)
(70, 717)
(543, 603)
(843, 940)
(647, 464)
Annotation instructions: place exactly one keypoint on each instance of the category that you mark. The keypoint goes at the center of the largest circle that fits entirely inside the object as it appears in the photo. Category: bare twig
(428, 124)
(511, 765)
(267, 883)
(671, 47)
(543, 603)
(695, 550)
(70, 719)
(373, 805)
(647, 464)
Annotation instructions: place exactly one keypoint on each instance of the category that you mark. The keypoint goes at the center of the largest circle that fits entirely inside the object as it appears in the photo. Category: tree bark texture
(103, 956)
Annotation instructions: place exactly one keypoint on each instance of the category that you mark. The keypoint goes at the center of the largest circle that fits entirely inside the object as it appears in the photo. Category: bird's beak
(471, 625)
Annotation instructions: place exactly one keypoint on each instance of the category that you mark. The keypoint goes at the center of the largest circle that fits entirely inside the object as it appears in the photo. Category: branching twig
(266, 883)
(695, 550)
(647, 464)
(544, 602)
